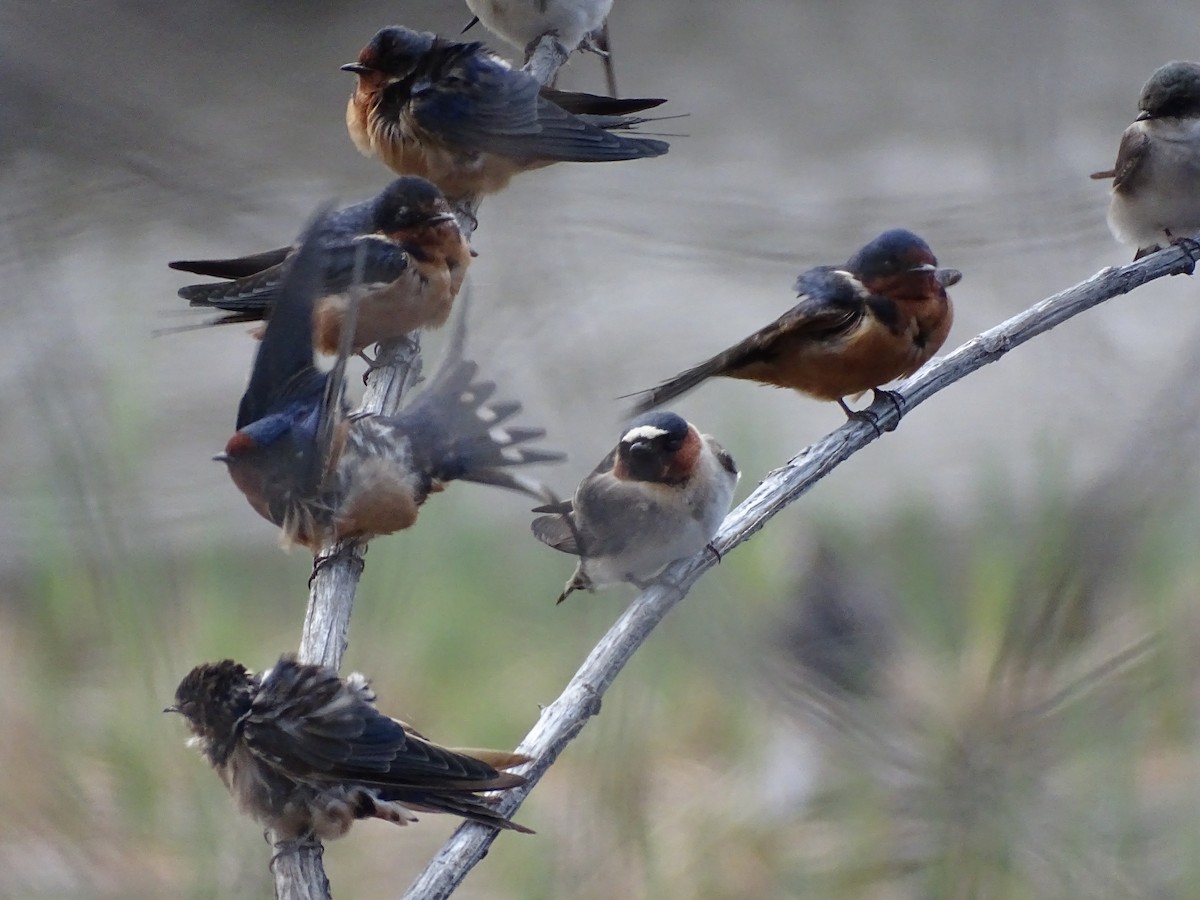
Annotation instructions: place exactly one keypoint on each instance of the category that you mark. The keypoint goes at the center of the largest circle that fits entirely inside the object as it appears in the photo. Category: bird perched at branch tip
(658, 496)
(414, 259)
(463, 118)
(1156, 179)
(879, 317)
(323, 477)
(573, 23)
(307, 754)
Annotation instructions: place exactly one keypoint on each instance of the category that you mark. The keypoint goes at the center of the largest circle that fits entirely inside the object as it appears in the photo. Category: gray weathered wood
(563, 719)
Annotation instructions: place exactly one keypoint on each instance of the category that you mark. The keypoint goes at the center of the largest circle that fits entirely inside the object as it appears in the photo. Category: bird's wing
(557, 528)
(1131, 156)
(580, 103)
(307, 724)
(283, 365)
(499, 110)
(383, 261)
(237, 267)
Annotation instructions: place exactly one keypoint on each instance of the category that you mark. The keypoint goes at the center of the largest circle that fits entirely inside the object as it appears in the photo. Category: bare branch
(563, 719)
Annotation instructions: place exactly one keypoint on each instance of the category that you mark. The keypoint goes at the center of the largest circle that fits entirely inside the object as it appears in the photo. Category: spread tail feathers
(457, 429)
(458, 433)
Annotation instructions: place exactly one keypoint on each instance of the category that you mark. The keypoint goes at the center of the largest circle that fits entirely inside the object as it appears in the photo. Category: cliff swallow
(879, 317)
(307, 754)
(1156, 179)
(324, 477)
(412, 256)
(466, 120)
(658, 496)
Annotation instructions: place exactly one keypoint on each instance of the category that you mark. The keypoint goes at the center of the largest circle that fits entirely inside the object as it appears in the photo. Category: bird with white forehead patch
(658, 496)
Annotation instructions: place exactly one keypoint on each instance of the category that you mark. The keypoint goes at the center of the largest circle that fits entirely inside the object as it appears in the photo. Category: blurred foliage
(983, 744)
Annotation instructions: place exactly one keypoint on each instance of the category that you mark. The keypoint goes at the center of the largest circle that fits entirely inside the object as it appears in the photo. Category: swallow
(879, 317)
(575, 23)
(402, 250)
(1156, 179)
(323, 476)
(465, 119)
(658, 496)
(522, 22)
(306, 753)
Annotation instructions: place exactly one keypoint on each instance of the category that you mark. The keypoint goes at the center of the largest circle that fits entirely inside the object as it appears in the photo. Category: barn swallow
(307, 754)
(658, 496)
(879, 317)
(413, 261)
(1156, 179)
(463, 118)
(324, 477)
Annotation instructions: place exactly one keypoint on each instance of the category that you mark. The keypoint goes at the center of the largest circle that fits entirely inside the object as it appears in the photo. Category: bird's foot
(861, 415)
(712, 548)
(897, 400)
(589, 45)
(1191, 247)
(342, 551)
(292, 845)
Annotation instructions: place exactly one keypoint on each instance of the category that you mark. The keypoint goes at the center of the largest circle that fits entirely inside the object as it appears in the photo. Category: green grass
(989, 753)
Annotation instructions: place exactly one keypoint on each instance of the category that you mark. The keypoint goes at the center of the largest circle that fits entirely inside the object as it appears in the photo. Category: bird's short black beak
(356, 68)
(171, 709)
(1143, 116)
(221, 457)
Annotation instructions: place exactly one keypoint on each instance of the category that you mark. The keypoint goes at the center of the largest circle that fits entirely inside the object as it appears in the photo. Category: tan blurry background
(134, 133)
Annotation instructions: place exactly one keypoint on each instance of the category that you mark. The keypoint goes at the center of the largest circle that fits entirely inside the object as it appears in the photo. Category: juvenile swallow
(1156, 179)
(307, 754)
(322, 476)
(407, 244)
(463, 118)
(879, 317)
(658, 496)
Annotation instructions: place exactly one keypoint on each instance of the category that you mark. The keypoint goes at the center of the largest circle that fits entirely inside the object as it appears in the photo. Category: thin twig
(563, 719)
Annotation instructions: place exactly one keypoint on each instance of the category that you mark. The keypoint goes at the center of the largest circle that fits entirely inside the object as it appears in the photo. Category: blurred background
(962, 666)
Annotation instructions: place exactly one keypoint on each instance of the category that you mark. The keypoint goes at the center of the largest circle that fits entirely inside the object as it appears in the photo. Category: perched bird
(322, 476)
(412, 256)
(466, 120)
(575, 23)
(1156, 179)
(658, 496)
(522, 22)
(307, 754)
(879, 317)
